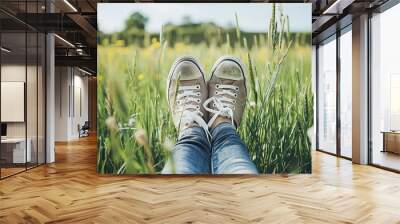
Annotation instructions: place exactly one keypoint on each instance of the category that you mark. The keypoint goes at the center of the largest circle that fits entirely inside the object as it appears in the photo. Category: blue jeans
(193, 153)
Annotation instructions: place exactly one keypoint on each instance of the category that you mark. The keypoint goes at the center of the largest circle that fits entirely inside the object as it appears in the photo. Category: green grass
(135, 129)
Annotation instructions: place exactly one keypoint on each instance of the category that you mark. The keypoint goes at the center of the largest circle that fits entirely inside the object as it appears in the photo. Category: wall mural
(204, 88)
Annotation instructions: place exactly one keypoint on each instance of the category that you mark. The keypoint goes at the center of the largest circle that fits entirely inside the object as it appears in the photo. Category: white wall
(62, 81)
(80, 84)
(16, 73)
(70, 83)
(33, 126)
(11, 73)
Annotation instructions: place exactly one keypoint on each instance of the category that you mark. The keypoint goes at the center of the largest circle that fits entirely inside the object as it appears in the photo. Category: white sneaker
(186, 91)
(227, 92)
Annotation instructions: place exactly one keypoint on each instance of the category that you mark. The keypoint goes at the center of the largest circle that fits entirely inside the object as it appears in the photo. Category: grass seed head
(111, 123)
(141, 137)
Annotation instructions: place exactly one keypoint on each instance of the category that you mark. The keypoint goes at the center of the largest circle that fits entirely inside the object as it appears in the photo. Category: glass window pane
(346, 94)
(32, 87)
(385, 89)
(14, 153)
(41, 98)
(22, 87)
(327, 97)
(31, 97)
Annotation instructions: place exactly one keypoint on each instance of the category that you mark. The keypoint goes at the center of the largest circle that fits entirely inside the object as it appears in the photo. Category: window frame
(333, 37)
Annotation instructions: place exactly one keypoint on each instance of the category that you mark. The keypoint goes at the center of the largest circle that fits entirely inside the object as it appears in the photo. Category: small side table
(391, 141)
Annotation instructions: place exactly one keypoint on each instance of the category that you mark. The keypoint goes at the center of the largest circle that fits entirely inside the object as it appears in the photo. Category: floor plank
(70, 191)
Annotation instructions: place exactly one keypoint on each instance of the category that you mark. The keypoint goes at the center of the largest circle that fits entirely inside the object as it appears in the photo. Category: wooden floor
(387, 159)
(9, 171)
(70, 191)
(5, 172)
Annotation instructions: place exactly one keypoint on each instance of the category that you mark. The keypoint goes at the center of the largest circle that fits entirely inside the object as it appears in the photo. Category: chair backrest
(86, 124)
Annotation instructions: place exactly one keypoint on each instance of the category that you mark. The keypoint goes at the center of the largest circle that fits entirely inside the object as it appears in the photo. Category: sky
(253, 17)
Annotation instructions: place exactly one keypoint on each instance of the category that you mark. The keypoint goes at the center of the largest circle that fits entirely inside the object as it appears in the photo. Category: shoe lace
(222, 104)
(188, 102)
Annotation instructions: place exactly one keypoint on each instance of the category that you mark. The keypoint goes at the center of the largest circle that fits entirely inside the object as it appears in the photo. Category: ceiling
(75, 23)
(331, 15)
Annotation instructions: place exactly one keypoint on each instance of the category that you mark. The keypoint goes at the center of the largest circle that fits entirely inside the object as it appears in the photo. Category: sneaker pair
(193, 101)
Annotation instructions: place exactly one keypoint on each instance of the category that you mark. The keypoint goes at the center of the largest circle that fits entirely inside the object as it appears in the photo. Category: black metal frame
(338, 76)
(339, 32)
(369, 90)
(316, 97)
(44, 70)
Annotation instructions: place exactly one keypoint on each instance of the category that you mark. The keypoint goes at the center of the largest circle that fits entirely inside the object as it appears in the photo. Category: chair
(84, 130)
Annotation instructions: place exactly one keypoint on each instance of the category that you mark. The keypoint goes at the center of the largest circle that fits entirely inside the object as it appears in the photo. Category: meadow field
(135, 129)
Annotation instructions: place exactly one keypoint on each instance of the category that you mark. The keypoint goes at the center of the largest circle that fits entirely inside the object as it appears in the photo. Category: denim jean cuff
(221, 126)
(192, 131)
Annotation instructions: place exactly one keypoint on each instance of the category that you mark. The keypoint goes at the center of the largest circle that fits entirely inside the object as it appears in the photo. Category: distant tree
(136, 21)
(187, 20)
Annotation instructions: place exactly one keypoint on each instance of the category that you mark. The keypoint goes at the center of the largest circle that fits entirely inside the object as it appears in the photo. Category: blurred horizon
(113, 16)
